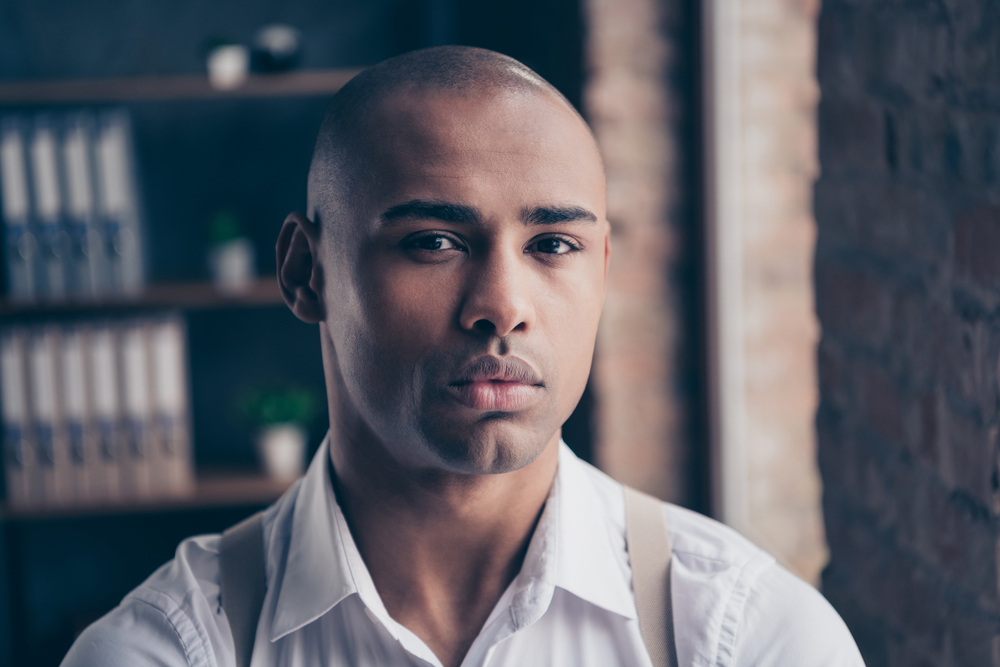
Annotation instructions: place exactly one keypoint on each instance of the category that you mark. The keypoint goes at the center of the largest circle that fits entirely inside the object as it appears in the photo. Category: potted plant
(280, 414)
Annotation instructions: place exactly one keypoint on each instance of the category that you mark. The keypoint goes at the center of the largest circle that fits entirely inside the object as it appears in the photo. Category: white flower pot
(282, 450)
(233, 265)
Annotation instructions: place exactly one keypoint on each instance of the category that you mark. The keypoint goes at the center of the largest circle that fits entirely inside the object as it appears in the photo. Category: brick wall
(639, 98)
(908, 295)
(643, 101)
(777, 103)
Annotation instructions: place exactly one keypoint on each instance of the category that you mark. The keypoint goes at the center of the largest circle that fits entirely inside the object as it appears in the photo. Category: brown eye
(553, 246)
(433, 242)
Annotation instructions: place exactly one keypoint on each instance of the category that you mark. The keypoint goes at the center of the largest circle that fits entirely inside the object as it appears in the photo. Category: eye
(431, 242)
(431, 247)
(553, 245)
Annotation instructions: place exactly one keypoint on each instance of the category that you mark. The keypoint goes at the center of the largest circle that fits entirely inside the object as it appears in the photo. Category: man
(454, 254)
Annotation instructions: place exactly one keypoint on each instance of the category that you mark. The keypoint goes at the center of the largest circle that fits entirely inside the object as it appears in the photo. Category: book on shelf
(52, 475)
(96, 412)
(137, 412)
(87, 271)
(18, 450)
(20, 244)
(119, 203)
(71, 205)
(79, 432)
(53, 241)
(102, 346)
(172, 418)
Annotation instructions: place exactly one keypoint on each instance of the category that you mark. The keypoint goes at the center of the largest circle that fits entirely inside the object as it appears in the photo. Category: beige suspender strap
(242, 583)
(649, 554)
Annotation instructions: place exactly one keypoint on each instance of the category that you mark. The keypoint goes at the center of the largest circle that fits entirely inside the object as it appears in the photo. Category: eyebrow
(551, 215)
(437, 210)
(462, 214)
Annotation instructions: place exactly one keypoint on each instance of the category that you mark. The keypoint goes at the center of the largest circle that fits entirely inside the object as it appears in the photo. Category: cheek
(569, 311)
(407, 311)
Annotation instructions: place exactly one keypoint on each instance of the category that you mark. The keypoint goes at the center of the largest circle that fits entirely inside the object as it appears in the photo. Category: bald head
(338, 165)
(458, 213)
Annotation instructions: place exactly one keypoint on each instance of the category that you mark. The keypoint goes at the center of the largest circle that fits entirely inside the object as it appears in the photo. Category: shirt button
(369, 614)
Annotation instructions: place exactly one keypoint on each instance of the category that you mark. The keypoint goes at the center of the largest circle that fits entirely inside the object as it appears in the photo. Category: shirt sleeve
(146, 630)
(787, 623)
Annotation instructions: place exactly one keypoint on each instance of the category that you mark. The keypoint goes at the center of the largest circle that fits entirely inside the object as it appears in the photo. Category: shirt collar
(578, 546)
(317, 573)
(591, 561)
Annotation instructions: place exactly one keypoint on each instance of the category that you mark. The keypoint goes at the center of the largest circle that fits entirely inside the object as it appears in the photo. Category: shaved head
(455, 251)
(339, 170)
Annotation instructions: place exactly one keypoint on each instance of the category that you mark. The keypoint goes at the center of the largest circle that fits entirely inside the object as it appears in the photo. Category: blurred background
(801, 335)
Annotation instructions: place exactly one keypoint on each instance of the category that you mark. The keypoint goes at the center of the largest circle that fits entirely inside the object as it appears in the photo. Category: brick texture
(907, 281)
(778, 96)
(638, 99)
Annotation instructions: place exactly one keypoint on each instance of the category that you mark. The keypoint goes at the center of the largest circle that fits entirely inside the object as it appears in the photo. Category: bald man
(454, 254)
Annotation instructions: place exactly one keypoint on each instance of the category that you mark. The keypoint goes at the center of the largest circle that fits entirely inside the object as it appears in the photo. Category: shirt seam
(725, 652)
(188, 653)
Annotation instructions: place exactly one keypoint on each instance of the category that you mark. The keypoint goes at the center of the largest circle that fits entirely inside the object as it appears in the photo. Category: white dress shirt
(571, 605)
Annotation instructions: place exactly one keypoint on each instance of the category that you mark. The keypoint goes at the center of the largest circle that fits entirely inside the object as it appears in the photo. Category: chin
(493, 446)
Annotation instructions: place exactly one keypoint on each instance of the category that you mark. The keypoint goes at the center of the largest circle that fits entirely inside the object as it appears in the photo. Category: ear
(300, 273)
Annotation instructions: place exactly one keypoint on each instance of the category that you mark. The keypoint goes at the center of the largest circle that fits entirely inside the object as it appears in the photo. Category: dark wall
(100, 38)
(908, 294)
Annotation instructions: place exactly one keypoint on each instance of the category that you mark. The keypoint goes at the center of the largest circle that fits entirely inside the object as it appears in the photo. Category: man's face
(463, 296)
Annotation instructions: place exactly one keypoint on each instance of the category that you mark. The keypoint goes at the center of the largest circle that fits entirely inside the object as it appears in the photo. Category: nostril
(484, 326)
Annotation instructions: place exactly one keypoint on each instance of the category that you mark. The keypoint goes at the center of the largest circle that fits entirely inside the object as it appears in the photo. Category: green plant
(278, 405)
(224, 226)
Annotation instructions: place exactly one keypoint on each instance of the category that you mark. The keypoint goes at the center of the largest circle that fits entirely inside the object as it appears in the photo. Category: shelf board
(297, 83)
(211, 491)
(186, 296)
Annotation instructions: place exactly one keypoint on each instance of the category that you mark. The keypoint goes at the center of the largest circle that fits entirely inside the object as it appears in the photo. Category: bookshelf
(212, 490)
(235, 340)
(301, 83)
(183, 296)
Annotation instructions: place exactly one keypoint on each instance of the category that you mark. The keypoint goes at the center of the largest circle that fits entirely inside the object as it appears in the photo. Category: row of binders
(95, 412)
(71, 206)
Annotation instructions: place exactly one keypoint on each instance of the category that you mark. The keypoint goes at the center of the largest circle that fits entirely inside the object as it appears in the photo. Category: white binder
(119, 203)
(86, 265)
(53, 242)
(137, 410)
(52, 471)
(21, 247)
(102, 365)
(171, 406)
(77, 425)
(18, 457)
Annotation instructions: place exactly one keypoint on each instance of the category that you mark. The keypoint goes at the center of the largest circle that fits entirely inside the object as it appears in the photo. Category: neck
(441, 547)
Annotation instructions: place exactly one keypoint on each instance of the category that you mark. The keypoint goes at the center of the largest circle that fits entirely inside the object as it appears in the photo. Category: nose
(498, 295)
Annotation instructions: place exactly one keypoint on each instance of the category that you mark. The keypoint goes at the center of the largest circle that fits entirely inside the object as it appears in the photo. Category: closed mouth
(496, 384)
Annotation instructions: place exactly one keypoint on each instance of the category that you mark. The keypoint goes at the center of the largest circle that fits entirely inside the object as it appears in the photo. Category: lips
(496, 384)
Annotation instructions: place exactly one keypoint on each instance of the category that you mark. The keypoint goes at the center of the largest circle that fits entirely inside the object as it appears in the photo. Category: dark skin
(484, 237)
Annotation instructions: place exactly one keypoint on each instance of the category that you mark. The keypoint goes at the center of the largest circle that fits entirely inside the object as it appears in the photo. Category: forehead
(508, 148)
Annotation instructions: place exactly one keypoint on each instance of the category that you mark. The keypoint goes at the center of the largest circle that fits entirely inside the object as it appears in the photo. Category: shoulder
(736, 605)
(175, 617)
(752, 610)
(787, 622)
(169, 619)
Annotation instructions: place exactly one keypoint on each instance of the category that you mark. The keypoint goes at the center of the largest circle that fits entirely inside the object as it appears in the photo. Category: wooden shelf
(186, 296)
(217, 490)
(300, 83)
